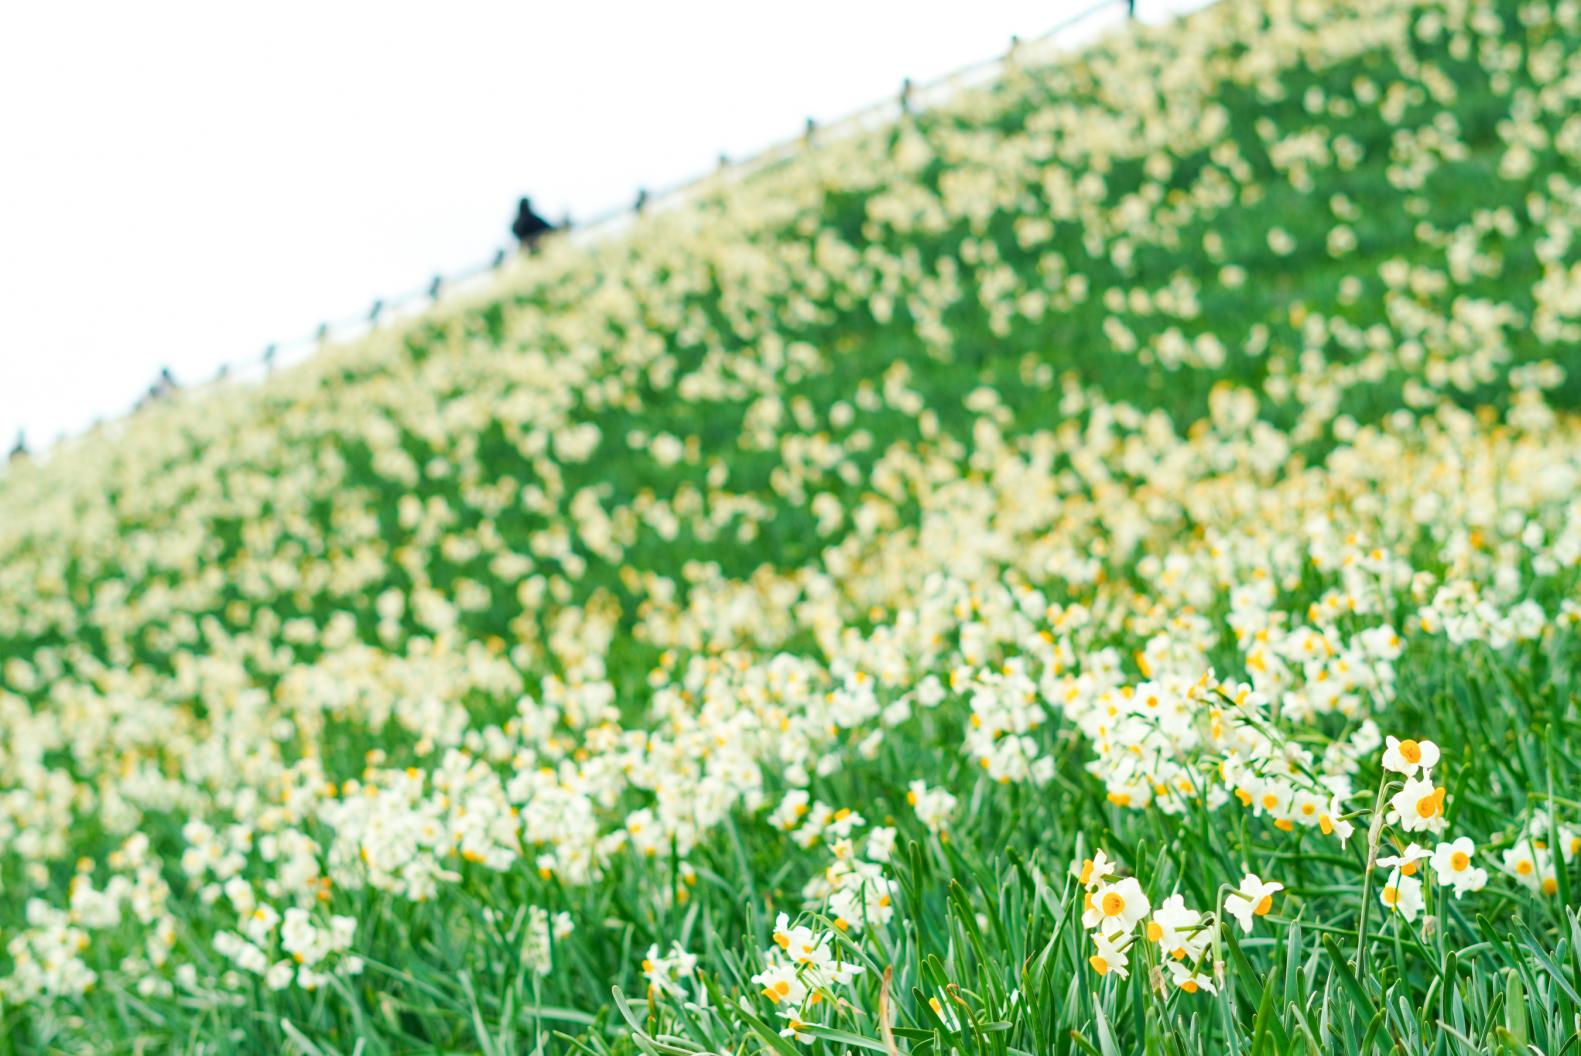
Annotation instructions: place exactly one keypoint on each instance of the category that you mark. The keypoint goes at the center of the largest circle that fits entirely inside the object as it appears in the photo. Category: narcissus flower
(1189, 979)
(799, 943)
(1532, 866)
(1178, 930)
(933, 806)
(1110, 955)
(1418, 806)
(1116, 908)
(1402, 894)
(795, 1026)
(1254, 898)
(1094, 870)
(781, 984)
(1407, 757)
(1406, 861)
(943, 1011)
(1452, 865)
(666, 972)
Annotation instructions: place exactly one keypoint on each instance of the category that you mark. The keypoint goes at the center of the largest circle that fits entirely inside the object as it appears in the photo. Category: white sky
(183, 183)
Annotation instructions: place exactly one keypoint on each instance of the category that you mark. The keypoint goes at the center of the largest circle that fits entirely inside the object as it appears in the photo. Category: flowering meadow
(1092, 568)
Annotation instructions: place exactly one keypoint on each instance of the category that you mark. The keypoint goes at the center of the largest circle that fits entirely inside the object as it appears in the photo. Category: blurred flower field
(1091, 569)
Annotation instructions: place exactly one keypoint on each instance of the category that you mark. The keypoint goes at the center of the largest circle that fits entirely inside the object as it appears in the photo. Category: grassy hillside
(745, 635)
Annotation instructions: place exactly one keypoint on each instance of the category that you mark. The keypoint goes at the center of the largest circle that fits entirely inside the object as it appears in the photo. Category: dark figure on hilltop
(529, 227)
(162, 388)
(19, 450)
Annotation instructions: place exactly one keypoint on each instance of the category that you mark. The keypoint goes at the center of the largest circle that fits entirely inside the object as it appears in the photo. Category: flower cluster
(290, 948)
(804, 969)
(1418, 807)
(1122, 921)
(1532, 861)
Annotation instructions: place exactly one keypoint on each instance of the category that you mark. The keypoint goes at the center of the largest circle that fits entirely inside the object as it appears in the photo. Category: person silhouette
(529, 227)
(19, 449)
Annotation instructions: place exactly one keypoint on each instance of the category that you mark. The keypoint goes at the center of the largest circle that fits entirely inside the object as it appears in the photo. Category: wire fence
(912, 98)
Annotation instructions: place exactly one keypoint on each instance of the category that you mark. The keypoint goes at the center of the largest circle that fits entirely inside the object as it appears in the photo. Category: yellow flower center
(1099, 965)
(1411, 752)
(1262, 908)
(1113, 904)
(1459, 861)
(1429, 806)
(1155, 931)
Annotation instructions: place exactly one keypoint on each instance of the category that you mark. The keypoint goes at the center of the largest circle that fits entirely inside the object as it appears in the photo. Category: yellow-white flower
(1408, 756)
(1116, 908)
(781, 984)
(1094, 870)
(1418, 806)
(1110, 955)
(945, 1014)
(1402, 894)
(1189, 979)
(1406, 860)
(1254, 898)
(1532, 867)
(795, 1026)
(1178, 930)
(1452, 865)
